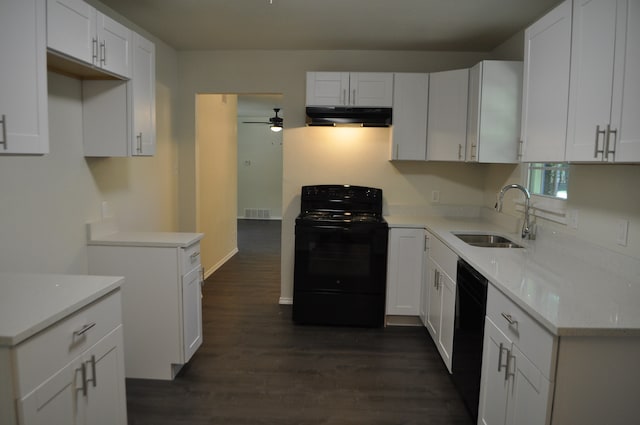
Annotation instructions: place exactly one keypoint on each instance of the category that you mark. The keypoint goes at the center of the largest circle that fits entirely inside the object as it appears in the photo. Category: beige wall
(216, 182)
(312, 155)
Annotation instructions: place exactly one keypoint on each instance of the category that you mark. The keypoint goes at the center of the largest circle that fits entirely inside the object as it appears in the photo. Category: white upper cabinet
(78, 31)
(410, 109)
(24, 125)
(373, 89)
(493, 118)
(447, 127)
(144, 97)
(545, 93)
(604, 102)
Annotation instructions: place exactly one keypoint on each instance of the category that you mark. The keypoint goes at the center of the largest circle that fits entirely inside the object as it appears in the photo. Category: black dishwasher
(471, 306)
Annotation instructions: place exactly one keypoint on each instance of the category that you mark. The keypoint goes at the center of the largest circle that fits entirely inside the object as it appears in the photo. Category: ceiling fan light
(276, 128)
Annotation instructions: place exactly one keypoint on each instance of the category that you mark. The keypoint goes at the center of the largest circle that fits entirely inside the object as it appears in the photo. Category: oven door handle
(326, 228)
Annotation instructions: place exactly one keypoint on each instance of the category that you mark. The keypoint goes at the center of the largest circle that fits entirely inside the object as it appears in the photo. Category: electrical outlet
(435, 196)
(622, 232)
(573, 219)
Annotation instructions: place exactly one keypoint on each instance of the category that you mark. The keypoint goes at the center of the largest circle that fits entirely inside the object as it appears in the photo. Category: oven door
(340, 258)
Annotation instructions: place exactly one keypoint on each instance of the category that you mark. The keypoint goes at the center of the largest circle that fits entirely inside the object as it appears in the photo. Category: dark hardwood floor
(256, 367)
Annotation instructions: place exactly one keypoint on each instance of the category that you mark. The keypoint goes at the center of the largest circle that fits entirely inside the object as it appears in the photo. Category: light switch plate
(622, 231)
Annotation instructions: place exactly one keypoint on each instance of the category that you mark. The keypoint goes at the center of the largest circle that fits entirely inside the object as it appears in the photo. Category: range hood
(348, 116)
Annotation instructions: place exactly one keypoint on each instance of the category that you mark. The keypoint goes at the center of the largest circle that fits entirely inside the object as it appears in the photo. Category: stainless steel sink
(487, 241)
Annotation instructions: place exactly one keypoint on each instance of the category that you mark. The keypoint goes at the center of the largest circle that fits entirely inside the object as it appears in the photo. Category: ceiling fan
(275, 121)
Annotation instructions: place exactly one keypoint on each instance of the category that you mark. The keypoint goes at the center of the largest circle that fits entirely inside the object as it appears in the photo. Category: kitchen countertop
(105, 232)
(31, 302)
(158, 239)
(570, 287)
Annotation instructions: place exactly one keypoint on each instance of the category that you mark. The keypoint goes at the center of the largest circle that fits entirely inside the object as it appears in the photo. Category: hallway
(256, 367)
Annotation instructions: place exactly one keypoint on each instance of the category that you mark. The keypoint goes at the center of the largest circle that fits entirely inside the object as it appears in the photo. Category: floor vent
(257, 213)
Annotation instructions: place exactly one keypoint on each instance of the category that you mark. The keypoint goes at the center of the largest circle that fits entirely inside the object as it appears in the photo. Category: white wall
(259, 167)
(46, 200)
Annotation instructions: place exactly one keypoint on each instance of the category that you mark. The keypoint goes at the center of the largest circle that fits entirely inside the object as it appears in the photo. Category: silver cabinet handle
(83, 375)
(473, 151)
(84, 329)
(608, 149)
(94, 50)
(509, 319)
(459, 151)
(139, 143)
(344, 96)
(94, 378)
(520, 149)
(501, 349)
(436, 278)
(4, 132)
(596, 151)
(103, 53)
(194, 256)
(507, 369)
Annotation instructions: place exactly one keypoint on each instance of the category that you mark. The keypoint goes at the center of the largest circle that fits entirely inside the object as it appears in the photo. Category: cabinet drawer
(190, 258)
(535, 342)
(41, 356)
(443, 256)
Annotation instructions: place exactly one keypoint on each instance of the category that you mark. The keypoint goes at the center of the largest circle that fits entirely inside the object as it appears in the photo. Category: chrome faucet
(527, 231)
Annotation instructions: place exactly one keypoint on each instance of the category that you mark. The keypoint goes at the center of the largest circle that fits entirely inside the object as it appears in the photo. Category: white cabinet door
(434, 306)
(494, 385)
(494, 112)
(426, 281)
(545, 95)
(626, 84)
(77, 30)
(404, 275)
(144, 97)
(350, 89)
(24, 127)
(192, 312)
(105, 401)
(447, 128)
(54, 402)
(410, 110)
(530, 392)
(592, 59)
(114, 43)
(447, 289)
(327, 88)
(71, 29)
(371, 89)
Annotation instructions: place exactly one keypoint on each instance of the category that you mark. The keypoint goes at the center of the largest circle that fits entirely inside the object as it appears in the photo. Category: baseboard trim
(220, 263)
(285, 301)
(397, 320)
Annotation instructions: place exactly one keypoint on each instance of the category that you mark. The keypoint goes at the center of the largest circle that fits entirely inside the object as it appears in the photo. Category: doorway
(234, 161)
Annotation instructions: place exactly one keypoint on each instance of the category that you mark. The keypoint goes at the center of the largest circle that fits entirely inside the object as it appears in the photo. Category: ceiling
(454, 25)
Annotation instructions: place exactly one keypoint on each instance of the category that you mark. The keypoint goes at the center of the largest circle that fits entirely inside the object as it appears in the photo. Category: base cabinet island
(61, 350)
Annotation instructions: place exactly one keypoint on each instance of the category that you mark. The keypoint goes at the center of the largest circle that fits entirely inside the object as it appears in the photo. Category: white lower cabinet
(513, 390)
(440, 285)
(404, 271)
(72, 372)
(89, 390)
(162, 304)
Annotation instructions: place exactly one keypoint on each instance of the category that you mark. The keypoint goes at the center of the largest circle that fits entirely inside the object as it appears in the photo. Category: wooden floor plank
(257, 367)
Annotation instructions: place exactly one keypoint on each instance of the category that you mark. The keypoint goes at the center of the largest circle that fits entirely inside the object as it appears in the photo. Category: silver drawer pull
(509, 319)
(94, 379)
(84, 329)
(194, 256)
(3, 121)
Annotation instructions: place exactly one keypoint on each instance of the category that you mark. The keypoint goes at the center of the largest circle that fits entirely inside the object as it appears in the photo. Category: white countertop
(30, 303)
(157, 239)
(569, 287)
